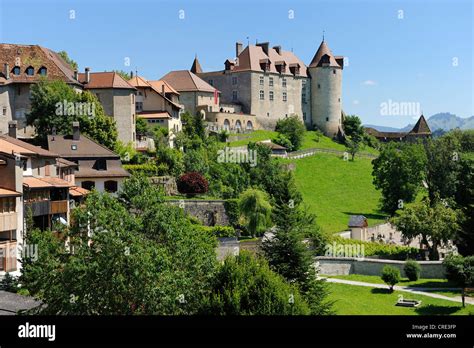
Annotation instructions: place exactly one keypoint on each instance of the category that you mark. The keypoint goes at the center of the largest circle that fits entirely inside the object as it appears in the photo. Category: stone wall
(209, 212)
(349, 265)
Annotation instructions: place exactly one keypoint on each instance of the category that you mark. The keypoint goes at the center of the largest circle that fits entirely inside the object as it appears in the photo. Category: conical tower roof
(196, 68)
(421, 127)
(323, 51)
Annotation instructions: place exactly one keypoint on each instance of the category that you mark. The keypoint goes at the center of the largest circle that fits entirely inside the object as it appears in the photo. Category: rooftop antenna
(248, 41)
(323, 35)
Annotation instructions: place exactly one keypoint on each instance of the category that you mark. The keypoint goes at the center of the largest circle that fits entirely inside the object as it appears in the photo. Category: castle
(271, 83)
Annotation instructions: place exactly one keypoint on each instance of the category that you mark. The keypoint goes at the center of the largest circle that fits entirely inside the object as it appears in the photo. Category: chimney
(7, 71)
(76, 133)
(76, 75)
(277, 49)
(131, 74)
(88, 75)
(163, 89)
(12, 128)
(264, 46)
(238, 48)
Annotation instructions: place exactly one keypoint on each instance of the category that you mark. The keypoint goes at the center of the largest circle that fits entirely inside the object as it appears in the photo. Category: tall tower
(326, 90)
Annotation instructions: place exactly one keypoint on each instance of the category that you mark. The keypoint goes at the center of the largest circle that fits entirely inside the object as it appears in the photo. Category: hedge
(385, 251)
(220, 231)
(147, 169)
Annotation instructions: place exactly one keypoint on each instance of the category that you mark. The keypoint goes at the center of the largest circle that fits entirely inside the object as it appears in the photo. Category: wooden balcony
(58, 207)
(8, 221)
(8, 256)
(38, 208)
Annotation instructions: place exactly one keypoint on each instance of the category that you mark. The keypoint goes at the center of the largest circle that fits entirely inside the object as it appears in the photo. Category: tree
(464, 198)
(293, 128)
(353, 146)
(282, 140)
(192, 183)
(412, 270)
(353, 128)
(68, 60)
(391, 276)
(435, 225)
(55, 105)
(125, 75)
(256, 210)
(141, 126)
(399, 172)
(245, 285)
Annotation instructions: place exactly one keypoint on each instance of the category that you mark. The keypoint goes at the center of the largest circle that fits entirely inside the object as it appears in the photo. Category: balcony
(8, 221)
(38, 208)
(58, 207)
(8, 255)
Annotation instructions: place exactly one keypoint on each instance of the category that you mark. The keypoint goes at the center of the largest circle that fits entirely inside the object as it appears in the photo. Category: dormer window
(30, 71)
(16, 70)
(295, 69)
(265, 64)
(281, 67)
(43, 71)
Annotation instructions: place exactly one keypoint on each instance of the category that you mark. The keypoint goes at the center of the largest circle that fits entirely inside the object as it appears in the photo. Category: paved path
(11, 303)
(418, 291)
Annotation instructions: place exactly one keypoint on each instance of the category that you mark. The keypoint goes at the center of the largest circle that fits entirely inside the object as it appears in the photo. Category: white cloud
(355, 102)
(369, 83)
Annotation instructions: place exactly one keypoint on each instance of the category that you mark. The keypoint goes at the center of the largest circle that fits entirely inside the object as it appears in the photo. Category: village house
(99, 167)
(421, 130)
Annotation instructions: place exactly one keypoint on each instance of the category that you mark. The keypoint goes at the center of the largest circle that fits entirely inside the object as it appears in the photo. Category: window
(283, 82)
(304, 116)
(16, 70)
(211, 82)
(271, 95)
(261, 80)
(7, 204)
(88, 185)
(110, 186)
(234, 80)
(284, 96)
(339, 100)
(30, 71)
(303, 98)
(270, 81)
(327, 119)
(24, 164)
(319, 86)
(43, 71)
(234, 95)
(4, 111)
(139, 106)
(100, 164)
(333, 71)
(262, 95)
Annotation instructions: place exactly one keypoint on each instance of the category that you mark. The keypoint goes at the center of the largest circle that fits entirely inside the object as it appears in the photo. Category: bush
(233, 212)
(460, 269)
(390, 276)
(220, 231)
(293, 129)
(385, 251)
(9, 283)
(412, 270)
(245, 285)
(147, 169)
(282, 140)
(192, 183)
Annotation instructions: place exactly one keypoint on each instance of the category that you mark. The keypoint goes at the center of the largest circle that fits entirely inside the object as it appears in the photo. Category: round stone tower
(326, 91)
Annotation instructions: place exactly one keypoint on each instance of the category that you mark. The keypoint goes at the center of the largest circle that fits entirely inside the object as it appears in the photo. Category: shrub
(245, 285)
(293, 128)
(282, 140)
(9, 283)
(412, 270)
(233, 212)
(147, 169)
(192, 183)
(390, 276)
(460, 269)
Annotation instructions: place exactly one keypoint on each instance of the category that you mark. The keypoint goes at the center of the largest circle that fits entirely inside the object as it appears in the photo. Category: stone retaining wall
(349, 265)
(209, 212)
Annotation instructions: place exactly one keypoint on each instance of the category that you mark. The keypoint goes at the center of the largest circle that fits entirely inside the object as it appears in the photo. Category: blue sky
(423, 54)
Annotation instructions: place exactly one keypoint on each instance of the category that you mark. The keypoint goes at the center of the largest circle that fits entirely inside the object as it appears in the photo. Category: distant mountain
(444, 121)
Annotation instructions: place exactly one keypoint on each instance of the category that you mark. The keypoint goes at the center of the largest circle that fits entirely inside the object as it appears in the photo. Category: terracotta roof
(323, 51)
(33, 182)
(78, 191)
(196, 67)
(186, 81)
(114, 169)
(36, 57)
(421, 127)
(10, 145)
(105, 80)
(8, 193)
(57, 182)
(154, 114)
(138, 81)
(251, 56)
(84, 147)
(158, 85)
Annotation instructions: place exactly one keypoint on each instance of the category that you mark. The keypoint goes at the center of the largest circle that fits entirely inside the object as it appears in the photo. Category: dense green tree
(68, 60)
(391, 276)
(245, 285)
(399, 172)
(353, 128)
(353, 145)
(282, 140)
(293, 129)
(141, 126)
(435, 224)
(256, 210)
(464, 198)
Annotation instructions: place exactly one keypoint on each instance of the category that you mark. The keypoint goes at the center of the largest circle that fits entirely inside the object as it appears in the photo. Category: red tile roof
(8, 193)
(186, 81)
(105, 80)
(324, 50)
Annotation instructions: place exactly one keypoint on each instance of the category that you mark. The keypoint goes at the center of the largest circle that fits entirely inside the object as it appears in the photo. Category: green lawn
(255, 136)
(334, 189)
(420, 283)
(361, 300)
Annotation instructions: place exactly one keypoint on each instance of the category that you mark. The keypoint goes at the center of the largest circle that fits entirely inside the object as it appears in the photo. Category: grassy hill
(334, 189)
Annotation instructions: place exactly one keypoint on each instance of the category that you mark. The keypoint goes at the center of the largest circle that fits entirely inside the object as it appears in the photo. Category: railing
(38, 208)
(58, 207)
(8, 256)
(312, 151)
